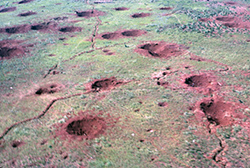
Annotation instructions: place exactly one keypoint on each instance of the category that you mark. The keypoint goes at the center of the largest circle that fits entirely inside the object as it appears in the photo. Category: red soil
(26, 14)
(89, 13)
(121, 8)
(49, 89)
(103, 84)
(10, 49)
(9, 9)
(160, 49)
(140, 15)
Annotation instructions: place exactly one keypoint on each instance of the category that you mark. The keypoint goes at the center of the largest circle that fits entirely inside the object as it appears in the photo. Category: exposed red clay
(9, 9)
(10, 49)
(165, 8)
(70, 29)
(121, 8)
(103, 84)
(26, 14)
(140, 15)
(89, 13)
(160, 49)
(49, 89)
(225, 18)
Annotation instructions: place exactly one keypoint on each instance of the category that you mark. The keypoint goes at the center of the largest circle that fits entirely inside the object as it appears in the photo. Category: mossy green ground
(146, 135)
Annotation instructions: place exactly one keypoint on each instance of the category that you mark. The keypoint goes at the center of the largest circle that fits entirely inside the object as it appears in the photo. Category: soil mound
(10, 49)
(121, 9)
(25, 1)
(16, 29)
(27, 14)
(225, 18)
(48, 89)
(159, 49)
(70, 29)
(132, 33)
(105, 84)
(110, 36)
(89, 13)
(217, 111)
(197, 81)
(9, 9)
(140, 15)
(165, 8)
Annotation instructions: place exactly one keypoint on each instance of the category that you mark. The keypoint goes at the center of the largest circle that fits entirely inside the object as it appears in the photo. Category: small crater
(25, 1)
(9, 9)
(17, 29)
(162, 104)
(197, 81)
(217, 111)
(105, 84)
(231, 25)
(110, 36)
(41, 26)
(132, 33)
(48, 89)
(16, 144)
(160, 50)
(89, 13)
(165, 8)
(121, 8)
(140, 15)
(27, 14)
(225, 18)
(10, 49)
(70, 29)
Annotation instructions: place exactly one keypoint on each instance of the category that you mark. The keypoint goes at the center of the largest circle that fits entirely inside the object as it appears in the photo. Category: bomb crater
(49, 89)
(140, 15)
(197, 81)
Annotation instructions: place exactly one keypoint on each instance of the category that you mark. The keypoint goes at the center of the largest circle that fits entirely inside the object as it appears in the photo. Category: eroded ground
(124, 84)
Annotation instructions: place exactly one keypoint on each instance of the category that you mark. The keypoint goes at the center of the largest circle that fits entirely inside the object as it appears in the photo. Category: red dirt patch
(25, 1)
(103, 84)
(70, 29)
(10, 49)
(121, 8)
(40, 26)
(16, 29)
(160, 49)
(26, 14)
(165, 8)
(231, 25)
(16, 144)
(89, 13)
(140, 15)
(231, 3)
(49, 89)
(9, 9)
